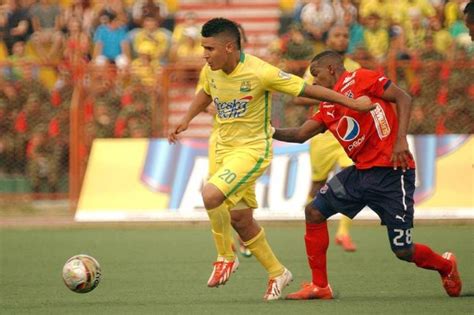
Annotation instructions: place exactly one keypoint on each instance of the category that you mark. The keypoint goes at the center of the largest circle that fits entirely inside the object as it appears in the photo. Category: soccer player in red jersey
(382, 178)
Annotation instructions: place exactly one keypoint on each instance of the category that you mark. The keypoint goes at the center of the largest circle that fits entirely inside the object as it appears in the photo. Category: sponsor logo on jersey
(245, 86)
(380, 121)
(282, 74)
(232, 109)
(356, 143)
(348, 128)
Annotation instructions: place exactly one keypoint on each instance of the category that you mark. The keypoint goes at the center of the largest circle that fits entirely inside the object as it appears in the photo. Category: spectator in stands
(189, 21)
(110, 38)
(19, 61)
(295, 45)
(81, 10)
(136, 115)
(356, 32)
(376, 38)
(341, 7)
(189, 48)
(77, 44)
(58, 133)
(317, 17)
(47, 38)
(41, 164)
(156, 37)
(390, 12)
(145, 68)
(415, 33)
(104, 119)
(443, 41)
(15, 24)
(143, 8)
(452, 12)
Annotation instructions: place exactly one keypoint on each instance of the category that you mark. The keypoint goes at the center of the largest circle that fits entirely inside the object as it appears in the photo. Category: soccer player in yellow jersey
(239, 85)
(325, 150)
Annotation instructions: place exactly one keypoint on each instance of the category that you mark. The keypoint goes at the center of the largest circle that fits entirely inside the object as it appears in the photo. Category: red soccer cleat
(346, 242)
(309, 291)
(452, 282)
(222, 271)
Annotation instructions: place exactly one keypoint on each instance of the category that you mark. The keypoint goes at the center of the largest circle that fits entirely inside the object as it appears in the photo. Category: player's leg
(219, 217)
(325, 151)
(343, 236)
(393, 201)
(337, 194)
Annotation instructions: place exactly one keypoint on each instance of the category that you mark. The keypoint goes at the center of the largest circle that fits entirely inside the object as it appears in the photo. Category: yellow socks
(344, 226)
(264, 254)
(222, 231)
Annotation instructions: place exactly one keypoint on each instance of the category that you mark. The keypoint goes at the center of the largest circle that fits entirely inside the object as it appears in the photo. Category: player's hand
(211, 110)
(363, 104)
(173, 136)
(401, 154)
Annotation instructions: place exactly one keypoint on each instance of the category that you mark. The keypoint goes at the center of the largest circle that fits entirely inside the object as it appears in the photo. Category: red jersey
(368, 138)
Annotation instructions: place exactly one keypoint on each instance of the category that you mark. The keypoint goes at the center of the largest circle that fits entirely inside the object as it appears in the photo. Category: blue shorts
(386, 191)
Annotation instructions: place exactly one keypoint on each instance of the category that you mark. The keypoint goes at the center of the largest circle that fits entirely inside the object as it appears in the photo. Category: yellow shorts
(236, 175)
(325, 152)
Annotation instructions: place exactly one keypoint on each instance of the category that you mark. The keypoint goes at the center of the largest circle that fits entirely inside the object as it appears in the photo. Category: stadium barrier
(146, 180)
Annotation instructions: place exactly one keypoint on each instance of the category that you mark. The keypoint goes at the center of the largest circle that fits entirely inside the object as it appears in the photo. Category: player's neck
(232, 62)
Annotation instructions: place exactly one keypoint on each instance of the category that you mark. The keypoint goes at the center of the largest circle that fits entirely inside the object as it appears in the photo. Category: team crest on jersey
(282, 74)
(348, 128)
(245, 86)
(232, 109)
(349, 94)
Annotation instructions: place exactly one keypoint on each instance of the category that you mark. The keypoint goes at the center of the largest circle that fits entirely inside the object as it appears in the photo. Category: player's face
(217, 51)
(338, 39)
(323, 75)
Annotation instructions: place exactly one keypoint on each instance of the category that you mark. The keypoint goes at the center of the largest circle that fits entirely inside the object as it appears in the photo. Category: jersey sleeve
(308, 77)
(318, 117)
(274, 79)
(372, 83)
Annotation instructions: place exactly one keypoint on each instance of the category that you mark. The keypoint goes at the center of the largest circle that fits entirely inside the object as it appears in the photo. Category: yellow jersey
(243, 102)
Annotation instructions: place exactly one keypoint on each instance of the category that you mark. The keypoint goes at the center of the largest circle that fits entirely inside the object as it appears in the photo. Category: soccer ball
(81, 273)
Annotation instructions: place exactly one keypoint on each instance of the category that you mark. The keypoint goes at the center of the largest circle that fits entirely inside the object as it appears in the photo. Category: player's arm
(200, 102)
(309, 129)
(317, 92)
(401, 153)
(304, 101)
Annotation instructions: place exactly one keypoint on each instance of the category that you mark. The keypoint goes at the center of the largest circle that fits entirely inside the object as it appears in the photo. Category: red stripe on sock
(317, 242)
(425, 257)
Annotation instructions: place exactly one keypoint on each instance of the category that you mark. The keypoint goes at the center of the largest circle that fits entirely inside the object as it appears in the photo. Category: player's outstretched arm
(317, 92)
(199, 104)
(401, 152)
(309, 129)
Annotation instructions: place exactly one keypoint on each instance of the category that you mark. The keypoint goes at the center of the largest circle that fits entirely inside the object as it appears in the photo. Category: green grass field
(157, 269)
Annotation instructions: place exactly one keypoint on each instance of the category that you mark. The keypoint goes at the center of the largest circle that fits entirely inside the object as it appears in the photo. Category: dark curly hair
(217, 26)
(469, 11)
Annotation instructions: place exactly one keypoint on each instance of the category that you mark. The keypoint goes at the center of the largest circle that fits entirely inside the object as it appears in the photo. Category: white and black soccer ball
(81, 273)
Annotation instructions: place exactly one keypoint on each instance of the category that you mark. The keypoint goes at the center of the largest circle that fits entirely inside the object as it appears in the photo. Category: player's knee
(313, 215)
(212, 197)
(404, 254)
(240, 219)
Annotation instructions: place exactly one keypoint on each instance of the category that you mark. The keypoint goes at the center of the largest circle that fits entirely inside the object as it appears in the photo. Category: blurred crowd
(120, 48)
(378, 29)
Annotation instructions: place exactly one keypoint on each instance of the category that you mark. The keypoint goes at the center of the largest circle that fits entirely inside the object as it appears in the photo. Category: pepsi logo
(348, 128)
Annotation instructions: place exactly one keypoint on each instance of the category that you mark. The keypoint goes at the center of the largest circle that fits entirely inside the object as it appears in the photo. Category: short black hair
(328, 54)
(217, 26)
(469, 11)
